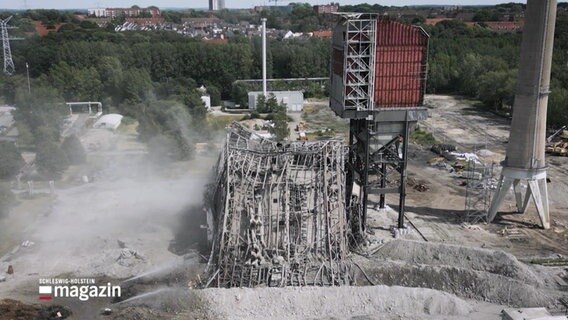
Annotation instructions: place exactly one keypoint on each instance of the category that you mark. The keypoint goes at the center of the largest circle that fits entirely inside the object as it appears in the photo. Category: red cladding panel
(400, 65)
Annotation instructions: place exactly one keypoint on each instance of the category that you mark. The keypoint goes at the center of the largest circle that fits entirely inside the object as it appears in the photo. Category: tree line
(134, 72)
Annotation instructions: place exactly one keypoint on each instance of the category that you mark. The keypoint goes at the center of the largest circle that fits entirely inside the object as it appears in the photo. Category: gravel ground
(329, 303)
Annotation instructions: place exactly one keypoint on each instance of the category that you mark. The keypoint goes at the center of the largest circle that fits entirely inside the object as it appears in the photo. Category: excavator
(560, 147)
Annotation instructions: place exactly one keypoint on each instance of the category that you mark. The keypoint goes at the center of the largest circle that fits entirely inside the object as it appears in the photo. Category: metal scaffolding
(359, 62)
(478, 192)
(278, 211)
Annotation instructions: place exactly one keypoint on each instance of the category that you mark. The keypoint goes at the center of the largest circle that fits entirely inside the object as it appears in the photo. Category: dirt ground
(438, 211)
(134, 224)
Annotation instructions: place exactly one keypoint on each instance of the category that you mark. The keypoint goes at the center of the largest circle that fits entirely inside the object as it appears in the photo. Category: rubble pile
(278, 213)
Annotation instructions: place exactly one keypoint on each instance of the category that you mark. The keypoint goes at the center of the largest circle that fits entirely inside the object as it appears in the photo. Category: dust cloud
(125, 221)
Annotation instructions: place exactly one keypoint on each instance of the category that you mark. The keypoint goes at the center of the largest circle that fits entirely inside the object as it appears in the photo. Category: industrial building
(378, 79)
(294, 100)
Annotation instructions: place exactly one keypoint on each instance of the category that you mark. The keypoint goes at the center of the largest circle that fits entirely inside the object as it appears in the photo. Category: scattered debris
(399, 232)
(420, 186)
(550, 262)
(128, 257)
(471, 227)
(13, 309)
(466, 156)
(121, 244)
(27, 243)
(485, 153)
(441, 149)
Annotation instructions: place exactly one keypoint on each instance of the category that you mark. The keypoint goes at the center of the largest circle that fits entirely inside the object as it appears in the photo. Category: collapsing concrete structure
(278, 213)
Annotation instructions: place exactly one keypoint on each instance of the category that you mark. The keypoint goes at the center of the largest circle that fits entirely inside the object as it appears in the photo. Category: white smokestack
(263, 56)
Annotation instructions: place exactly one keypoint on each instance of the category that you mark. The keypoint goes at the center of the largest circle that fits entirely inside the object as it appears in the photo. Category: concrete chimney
(525, 151)
(263, 56)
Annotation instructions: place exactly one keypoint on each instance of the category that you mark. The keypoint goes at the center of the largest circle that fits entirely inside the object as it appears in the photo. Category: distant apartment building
(132, 12)
(326, 8)
(202, 23)
(215, 5)
(146, 22)
(505, 26)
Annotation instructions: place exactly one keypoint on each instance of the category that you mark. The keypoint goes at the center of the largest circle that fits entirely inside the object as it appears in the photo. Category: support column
(403, 176)
(383, 185)
(536, 189)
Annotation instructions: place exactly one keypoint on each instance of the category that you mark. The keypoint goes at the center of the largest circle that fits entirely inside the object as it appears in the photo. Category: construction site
(374, 223)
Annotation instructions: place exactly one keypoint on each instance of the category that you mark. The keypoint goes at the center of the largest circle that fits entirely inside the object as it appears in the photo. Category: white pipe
(263, 56)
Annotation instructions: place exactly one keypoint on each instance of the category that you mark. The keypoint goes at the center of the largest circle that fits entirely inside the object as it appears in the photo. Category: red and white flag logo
(45, 293)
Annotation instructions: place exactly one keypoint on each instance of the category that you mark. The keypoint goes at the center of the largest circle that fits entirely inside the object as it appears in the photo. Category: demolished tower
(278, 213)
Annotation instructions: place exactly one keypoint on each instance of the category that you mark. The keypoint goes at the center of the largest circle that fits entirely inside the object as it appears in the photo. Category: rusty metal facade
(279, 213)
(400, 65)
(378, 59)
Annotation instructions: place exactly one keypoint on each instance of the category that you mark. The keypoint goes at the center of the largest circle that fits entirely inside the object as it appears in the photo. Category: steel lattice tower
(477, 192)
(9, 67)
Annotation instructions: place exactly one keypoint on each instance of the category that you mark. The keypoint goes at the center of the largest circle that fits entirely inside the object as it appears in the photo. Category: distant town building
(215, 5)
(505, 26)
(202, 23)
(284, 9)
(146, 22)
(132, 12)
(326, 8)
(435, 21)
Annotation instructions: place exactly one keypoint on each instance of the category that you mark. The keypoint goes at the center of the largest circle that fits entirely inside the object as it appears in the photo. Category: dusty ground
(129, 219)
(438, 211)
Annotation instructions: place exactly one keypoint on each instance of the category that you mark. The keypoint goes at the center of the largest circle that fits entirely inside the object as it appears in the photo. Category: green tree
(11, 160)
(7, 200)
(171, 120)
(51, 160)
(272, 104)
(214, 94)
(73, 149)
(239, 94)
(195, 106)
(261, 104)
(136, 86)
(280, 129)
(77, 84)
(111, 76)
(280, 120)
(558, 108)
(496, 88)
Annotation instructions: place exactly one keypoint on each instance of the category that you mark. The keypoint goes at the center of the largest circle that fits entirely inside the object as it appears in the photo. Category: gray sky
(72, 4)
